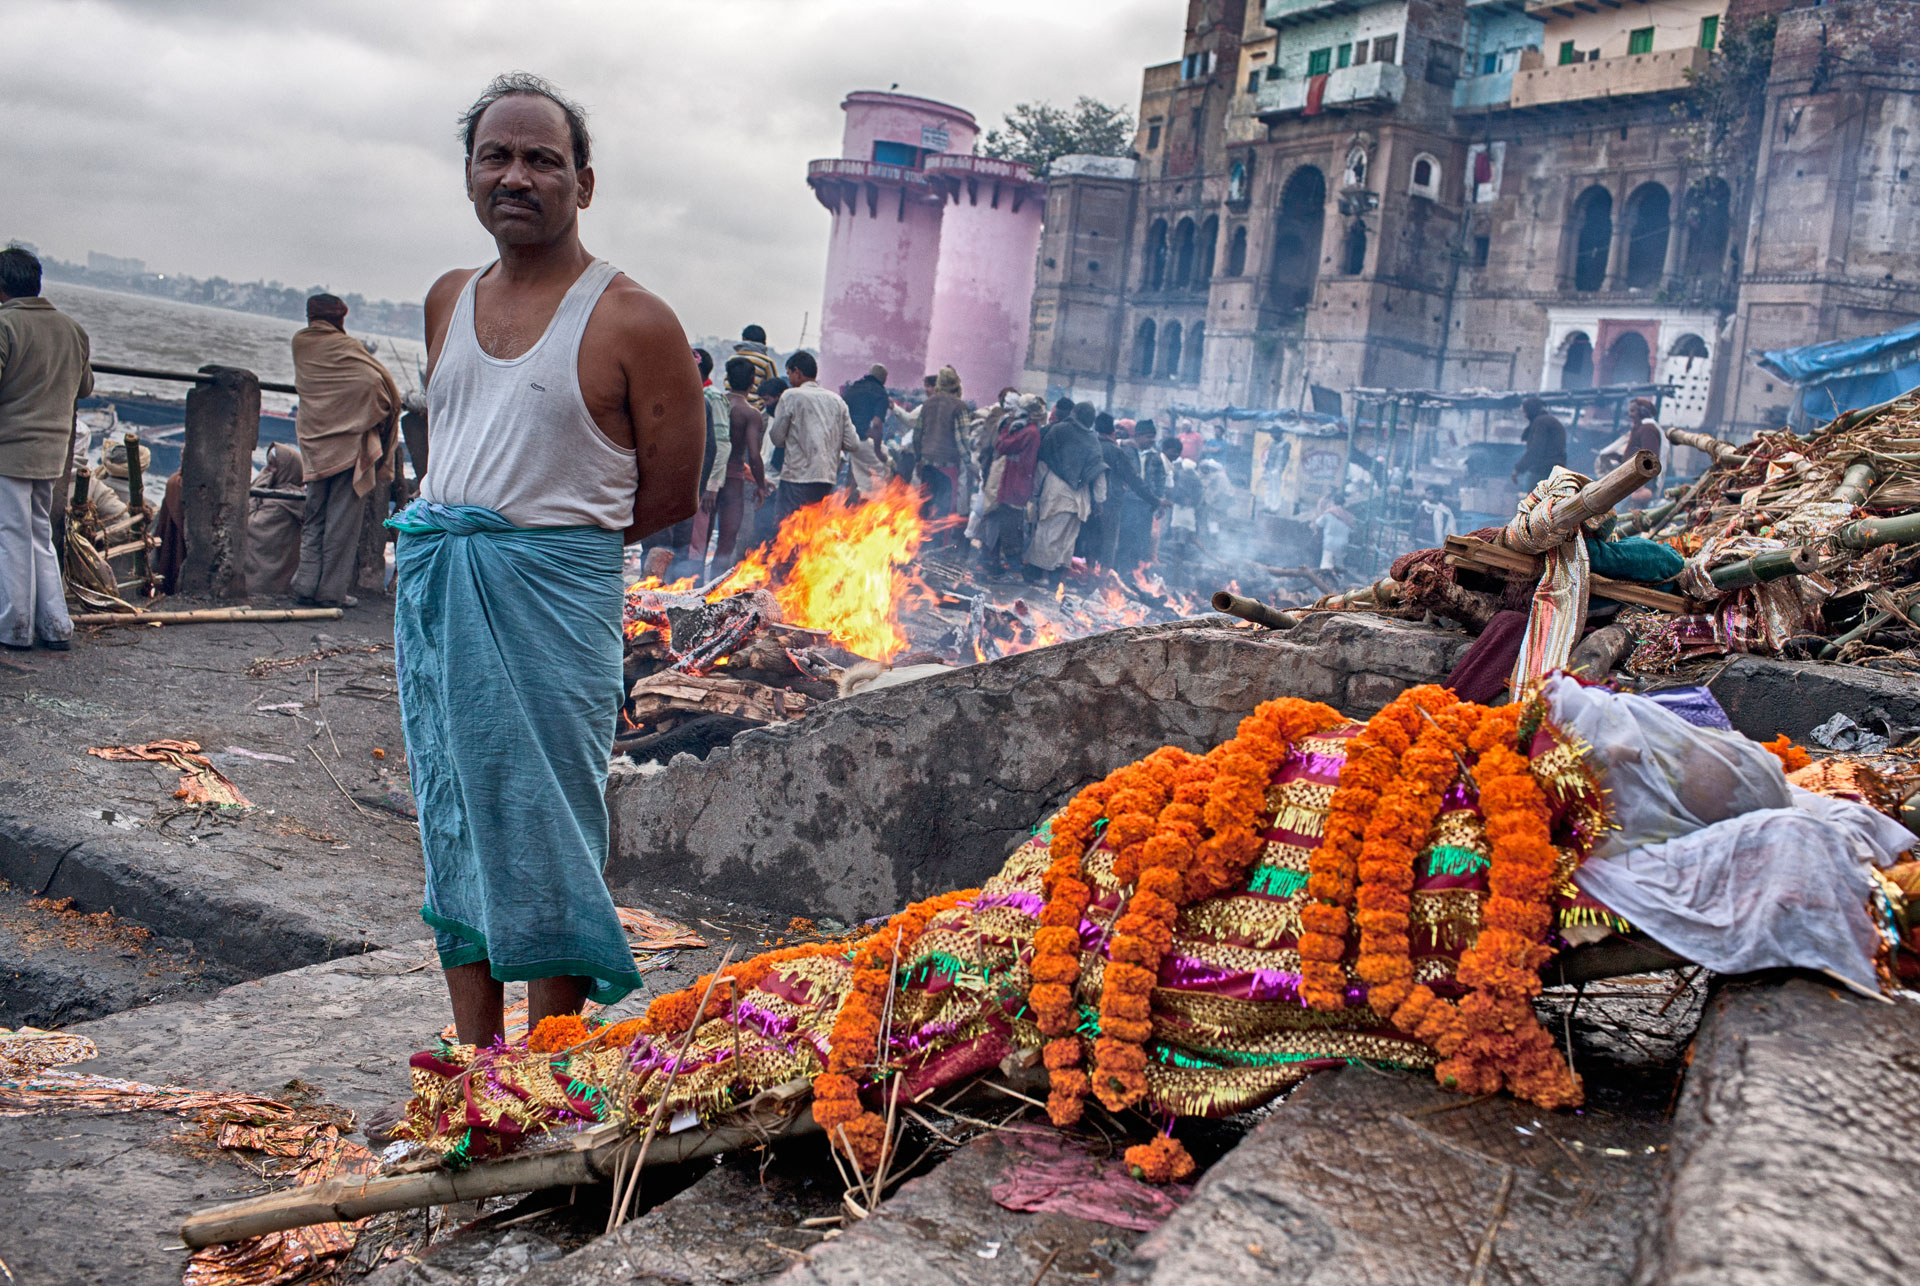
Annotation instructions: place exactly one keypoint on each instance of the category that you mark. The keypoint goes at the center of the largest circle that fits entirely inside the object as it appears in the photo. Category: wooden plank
(1482, 556)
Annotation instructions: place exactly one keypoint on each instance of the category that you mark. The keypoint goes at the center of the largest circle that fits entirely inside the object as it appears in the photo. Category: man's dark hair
(704, 360)
(740, 373)
(1532, 406)
(803, 362)
(1170, 446)
(771, 387)
(1083, 413)
(19, 273)
(929, 381)
(754, 334)
(525, 82)
(326, 308)
(1063, 408)
(1103, 424)
(1146, 429)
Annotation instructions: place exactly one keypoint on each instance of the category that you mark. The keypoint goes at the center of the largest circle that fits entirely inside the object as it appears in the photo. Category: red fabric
(1482, 168)
(1316, 90)
(1022, 449)
(1048, 1171)
(1482, 673)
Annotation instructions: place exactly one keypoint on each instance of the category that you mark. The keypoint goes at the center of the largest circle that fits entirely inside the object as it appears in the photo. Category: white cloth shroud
(1717, 858)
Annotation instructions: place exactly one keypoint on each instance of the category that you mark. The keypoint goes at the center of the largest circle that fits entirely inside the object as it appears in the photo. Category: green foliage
(1722, 114)
(1038, 134)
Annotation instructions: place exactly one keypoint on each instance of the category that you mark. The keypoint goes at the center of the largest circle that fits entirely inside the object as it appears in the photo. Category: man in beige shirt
(43, 370)
(349, 426)
(812, 423)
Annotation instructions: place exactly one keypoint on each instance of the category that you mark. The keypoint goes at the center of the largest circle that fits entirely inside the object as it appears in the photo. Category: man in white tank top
(563, 415)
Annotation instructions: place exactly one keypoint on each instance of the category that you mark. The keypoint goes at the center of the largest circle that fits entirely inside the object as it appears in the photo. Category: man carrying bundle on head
(564, 410)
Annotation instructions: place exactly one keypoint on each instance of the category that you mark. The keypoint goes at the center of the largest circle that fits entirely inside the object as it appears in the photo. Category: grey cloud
(315, 143)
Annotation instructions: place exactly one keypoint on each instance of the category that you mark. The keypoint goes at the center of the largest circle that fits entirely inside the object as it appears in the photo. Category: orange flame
(840, 569)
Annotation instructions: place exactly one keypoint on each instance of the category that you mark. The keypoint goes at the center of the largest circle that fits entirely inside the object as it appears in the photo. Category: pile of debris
(1806, 548)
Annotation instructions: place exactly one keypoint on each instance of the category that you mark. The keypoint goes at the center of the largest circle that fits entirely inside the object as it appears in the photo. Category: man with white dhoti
(563, 412)
(1070, 480)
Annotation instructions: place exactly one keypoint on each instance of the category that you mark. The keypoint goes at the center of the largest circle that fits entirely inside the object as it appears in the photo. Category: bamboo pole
(1714, 449)
(1385, 592)
(1768, 565)
(1569, 514)
(1870, 533)
(1856, 482)
(1248, 609)
(210, 615)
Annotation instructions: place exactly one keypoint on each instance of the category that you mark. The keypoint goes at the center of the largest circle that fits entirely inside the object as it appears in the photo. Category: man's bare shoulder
(638, 315)
(445, 290)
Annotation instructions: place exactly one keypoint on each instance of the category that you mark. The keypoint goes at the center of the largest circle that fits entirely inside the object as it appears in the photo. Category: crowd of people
(1022, 486)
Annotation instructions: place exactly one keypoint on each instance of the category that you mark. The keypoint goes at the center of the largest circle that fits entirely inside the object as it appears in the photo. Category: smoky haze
(315, 143)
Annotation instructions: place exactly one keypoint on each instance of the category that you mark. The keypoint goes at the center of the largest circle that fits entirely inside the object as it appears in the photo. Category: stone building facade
(1489, 194)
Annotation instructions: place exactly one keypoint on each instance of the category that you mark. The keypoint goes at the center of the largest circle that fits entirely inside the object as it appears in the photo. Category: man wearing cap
(43, 369)
(348, 426)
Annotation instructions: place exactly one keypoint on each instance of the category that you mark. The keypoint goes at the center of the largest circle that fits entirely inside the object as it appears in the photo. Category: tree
(1038, 134)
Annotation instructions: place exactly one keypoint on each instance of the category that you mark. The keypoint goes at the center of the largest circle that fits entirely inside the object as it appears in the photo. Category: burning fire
(839, 568)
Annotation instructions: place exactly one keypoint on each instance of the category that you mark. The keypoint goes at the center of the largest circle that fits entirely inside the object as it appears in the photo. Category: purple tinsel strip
(1457, 797)
(1326, 767)
(764, 1021)
(1030, 904)
(1237, 984)
(927, 1035)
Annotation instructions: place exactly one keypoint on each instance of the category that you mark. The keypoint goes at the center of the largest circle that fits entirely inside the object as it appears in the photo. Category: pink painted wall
(983, 292)
(918, 283)
(899, 118)
(881, 265)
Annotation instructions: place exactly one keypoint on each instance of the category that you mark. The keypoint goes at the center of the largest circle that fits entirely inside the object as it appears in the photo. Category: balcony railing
(1287, 13)
(1370, 85)
(1661, 72)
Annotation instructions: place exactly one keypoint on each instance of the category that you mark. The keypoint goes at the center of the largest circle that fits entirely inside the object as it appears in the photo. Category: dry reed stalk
(619, 1212)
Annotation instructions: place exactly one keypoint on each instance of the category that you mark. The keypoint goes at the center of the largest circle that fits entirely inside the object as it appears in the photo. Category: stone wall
(881, 798)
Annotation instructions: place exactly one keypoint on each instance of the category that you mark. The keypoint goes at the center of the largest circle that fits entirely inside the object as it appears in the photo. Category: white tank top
(514, 435)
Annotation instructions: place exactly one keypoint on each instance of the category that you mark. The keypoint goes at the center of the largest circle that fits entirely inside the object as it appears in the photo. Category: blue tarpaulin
(1843, 374)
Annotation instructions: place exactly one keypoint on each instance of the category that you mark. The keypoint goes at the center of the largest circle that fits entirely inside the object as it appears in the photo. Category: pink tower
(930, 259)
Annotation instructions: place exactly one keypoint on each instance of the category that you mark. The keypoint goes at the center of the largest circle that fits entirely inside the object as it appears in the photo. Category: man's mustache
(501, 197)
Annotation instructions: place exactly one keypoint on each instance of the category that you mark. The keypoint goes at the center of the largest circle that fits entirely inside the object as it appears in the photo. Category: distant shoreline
(367, 329)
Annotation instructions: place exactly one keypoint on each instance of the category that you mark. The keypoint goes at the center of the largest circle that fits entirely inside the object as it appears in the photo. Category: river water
(165, 334)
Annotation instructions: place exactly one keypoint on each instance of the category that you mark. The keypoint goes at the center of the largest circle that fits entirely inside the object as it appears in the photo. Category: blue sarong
(507, 645)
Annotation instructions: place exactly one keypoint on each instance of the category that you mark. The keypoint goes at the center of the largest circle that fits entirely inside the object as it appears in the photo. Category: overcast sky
(314, 142)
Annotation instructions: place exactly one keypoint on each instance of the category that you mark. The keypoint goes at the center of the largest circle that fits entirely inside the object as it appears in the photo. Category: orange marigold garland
(1396, 835)
(1493, 1037)
(558, 1032)
(1163, 1159)
(1131, 799)
(1333, 869)
(1792, 758)
(1204, 841)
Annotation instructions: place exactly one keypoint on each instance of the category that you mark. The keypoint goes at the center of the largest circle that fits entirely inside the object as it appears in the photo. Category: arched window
(1593, 236)
(1170, 350)
(1209, 240)
(1237, 252)
(1195, 348)
(1627, 360)
(1576, 371)
(1353, 250)
(1296, 238)
(1183, 255)
(1649, 223)
(1425, 180)
(1709, 223)
(1143, 349)
(1688, 345)
(1155, 273)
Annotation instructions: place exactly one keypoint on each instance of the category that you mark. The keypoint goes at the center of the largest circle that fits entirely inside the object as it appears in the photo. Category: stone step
(1366, 1176)
(1794, 1151)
